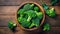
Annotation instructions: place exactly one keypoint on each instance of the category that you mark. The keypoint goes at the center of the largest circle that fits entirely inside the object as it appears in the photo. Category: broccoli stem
(29, 18)
(31, 25)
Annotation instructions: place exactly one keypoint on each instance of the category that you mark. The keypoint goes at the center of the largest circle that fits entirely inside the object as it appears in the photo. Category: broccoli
(28, 6)
(21, 12)
(23, 21)
(39, 15)
(20, 19)
(11, 25)
(36, 8)
(35, 22)
(46, 27)
(31, 14)
(51, 12)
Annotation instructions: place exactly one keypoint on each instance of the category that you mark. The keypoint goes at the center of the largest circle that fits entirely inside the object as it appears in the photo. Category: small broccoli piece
(46, 27)
(28, 6)
(21, 12)
(35, 22)
(36, 8)
(31, 14)
(39, 15)
(11, 25)
(51, 12)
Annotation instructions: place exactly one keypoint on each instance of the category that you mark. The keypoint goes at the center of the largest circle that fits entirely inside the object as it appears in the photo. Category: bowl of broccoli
(30, 16)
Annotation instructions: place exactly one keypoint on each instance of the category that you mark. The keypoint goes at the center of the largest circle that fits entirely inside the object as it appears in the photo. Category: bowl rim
(40, 9)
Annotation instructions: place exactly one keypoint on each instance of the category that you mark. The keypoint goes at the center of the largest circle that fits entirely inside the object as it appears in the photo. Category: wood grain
(8, 9)
(6, 30)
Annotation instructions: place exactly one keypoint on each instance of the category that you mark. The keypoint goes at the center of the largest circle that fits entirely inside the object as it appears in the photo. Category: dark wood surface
(8, 9)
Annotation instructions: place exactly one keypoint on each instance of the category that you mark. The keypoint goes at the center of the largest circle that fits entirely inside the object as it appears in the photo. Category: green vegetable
(11, 25)
(39, 15)
(53, 2)
(28, 7)
(21, 12)
(51, 12)
(45, 6)
(31, 14)
(36, 8)
(35, 22)
(23, 22)
(46, 27)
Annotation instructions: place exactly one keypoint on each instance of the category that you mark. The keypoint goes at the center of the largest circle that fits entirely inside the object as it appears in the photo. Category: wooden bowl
(41, 9)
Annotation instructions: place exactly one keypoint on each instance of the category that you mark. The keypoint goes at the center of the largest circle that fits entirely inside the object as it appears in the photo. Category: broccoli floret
(36, 8)
(35, 22)
(23, 22)
(39, 15)
(21, 12)
(28, 6)
(51, 12)
(46, 27)
(31, 14)
(20, 19)
(11, 25)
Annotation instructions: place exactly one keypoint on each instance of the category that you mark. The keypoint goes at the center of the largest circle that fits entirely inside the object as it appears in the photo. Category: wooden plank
(6, 30)
(10, 2)
(13, 2)
(4, 20)
(18, 2)
(53, 21)
(11, 10)
(8, 10)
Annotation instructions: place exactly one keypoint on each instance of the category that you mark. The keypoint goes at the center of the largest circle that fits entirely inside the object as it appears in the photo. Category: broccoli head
(21, 12)
(23, 22)
(28, 6)
(39, 15)
(36, 8)
(35, 22)
(31, 14)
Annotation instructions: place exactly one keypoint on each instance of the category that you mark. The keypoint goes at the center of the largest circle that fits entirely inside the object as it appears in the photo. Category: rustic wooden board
(18, 2)
(6, 30)
(8, 9)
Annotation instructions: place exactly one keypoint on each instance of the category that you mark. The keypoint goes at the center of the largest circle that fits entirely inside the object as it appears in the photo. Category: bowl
(42, 21)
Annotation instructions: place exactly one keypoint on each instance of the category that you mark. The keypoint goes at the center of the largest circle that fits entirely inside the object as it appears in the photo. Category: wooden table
(8, 10)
